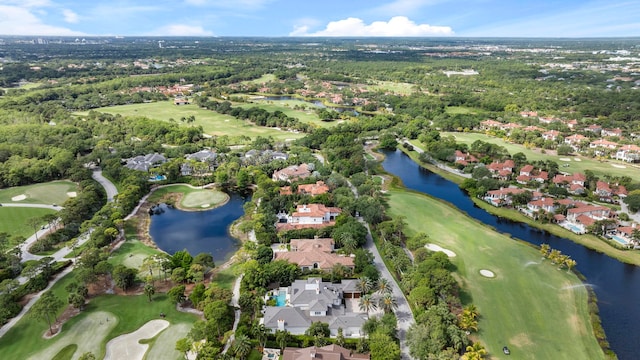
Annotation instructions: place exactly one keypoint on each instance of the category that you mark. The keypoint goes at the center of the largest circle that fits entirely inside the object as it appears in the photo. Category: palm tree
(383, 286)
(475, 352)
(260, 333)
(570, 264)
(282, 338)
(242, 346)
(364, 284)
(468, 318)
(367, 304)
(349, 243)
(149, 290)
(388, 303)
(544, 250)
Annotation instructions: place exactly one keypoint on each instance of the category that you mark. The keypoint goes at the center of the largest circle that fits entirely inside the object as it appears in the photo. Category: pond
(316, 103)
(617, 285)
(198, 231)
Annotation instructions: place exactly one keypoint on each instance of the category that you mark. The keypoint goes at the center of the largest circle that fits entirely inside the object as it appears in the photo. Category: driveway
(108, 186)
(403, 312)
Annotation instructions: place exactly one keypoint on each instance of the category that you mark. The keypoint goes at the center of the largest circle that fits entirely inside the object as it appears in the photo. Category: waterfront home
(314, 254)
(502, 197)
(547, 204)
(464, 158)
(590, 212)
(502, 170)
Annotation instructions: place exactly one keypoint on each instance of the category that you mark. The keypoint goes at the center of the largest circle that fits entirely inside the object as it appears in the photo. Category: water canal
(198, 231)
(617, 285)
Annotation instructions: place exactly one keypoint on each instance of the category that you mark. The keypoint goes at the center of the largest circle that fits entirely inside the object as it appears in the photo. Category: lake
(617, 285)
(198, 231)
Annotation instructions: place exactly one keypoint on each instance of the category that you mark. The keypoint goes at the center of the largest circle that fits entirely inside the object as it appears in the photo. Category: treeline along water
(617, 285)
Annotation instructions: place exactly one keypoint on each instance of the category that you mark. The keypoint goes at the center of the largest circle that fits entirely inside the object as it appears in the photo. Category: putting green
(203, 199)
(164, 346)
(540, 312)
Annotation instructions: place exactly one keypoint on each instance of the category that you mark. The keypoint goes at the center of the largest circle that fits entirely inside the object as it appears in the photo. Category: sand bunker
(19, 197)
(564, 159)
(127, 346)
(72, 194)
(577, 159)
(205, 205)
(487, 273)
(618, 166)
(434, 247)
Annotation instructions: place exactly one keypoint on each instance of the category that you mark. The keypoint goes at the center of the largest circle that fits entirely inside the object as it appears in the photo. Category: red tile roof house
(329, 352)
(611, 132)
(312, 254)
(626, 232)
(318, 188)
(547, 204)
(528, 114)
(596, 129)
(547, 120)
(294, 172)
(628, 153)
(575, 182)
(502, 170)
(572, 123)
(502, 197)
(551, 135)
(603, 144)
(605, 191)
(591, 212)
(308, 216)
(464, 159)
(533, 128)
(575, 139)
(489, 124)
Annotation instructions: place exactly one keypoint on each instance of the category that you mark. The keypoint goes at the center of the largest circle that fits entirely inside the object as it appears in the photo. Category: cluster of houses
(579, 216)
(579, 142)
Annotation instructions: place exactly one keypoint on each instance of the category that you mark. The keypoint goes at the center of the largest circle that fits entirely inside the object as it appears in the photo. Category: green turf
(394, 87)
(54, 192)
(261, 80)
(193, 198)
(599, 168)
(212, 122)
(540, 312)
(15, 220)
(460, 110)
(132, 253)
(66, 353)
(164, 345)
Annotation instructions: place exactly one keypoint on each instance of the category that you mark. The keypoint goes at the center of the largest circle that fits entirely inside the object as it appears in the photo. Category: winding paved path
(58, 256)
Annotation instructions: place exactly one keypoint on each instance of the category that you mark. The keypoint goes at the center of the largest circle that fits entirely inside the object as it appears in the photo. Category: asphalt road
(106, 184)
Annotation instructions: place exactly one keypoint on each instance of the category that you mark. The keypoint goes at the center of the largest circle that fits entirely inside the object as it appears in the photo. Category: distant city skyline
(283, 18)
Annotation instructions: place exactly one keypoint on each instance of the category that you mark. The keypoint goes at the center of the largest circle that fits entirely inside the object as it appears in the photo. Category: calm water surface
(198, 231)
(617, 285)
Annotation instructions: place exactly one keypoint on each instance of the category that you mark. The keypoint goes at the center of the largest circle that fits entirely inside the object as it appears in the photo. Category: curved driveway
(108, 186)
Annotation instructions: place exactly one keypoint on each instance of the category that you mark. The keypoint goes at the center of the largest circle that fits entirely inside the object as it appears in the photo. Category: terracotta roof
(585, 220)
(329, 352)
(527, 169)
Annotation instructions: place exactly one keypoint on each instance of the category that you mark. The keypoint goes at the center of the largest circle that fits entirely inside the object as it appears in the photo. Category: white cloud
(181, 30)
(70, 16)
(396, 26)
(230, 4)
(21, 21)
(26, 3)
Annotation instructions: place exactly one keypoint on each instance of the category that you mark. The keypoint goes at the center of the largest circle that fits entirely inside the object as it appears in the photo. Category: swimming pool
(574, 228)
(281, 299)
(619, 239)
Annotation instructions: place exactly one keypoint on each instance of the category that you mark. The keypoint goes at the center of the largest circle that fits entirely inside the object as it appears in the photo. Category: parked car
(506, 350)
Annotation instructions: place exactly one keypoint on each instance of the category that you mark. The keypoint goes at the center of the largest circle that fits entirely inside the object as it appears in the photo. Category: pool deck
(270, 354)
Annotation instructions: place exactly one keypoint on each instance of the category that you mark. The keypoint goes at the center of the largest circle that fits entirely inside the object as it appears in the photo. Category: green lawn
(90, 330)
(540, 312)
(192, 198)
(132, 253)
(261, 80)
(394, 87)
(15, 220)
(55, 192)
(456, 110)
(584, 163)
(212, 122)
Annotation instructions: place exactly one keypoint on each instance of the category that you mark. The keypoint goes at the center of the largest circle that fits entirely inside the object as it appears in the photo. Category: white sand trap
(577, 159)
(128, 347)
(618, 166)
(19, 197)
(72, 194)
(487, 273)
(206, 205)
(434, 247)
(564, 159)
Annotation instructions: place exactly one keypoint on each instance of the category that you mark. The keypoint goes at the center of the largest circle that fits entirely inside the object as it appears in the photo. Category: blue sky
(474, 18)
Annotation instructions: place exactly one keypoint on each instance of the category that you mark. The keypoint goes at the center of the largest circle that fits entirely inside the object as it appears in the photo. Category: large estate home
(311, 300)
(308, 216)
(502, 196)
(313, 254)
(588, 215)
(502, 170)
(329, 352)
(146, 162)
(318, 188)
(294, 172)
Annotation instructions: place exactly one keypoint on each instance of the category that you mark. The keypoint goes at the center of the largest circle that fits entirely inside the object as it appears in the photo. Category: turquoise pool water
(574, 228)
(619, 239)
(281, 299)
